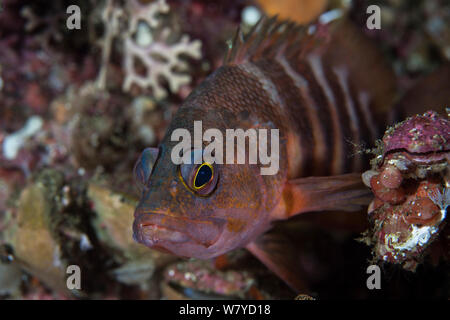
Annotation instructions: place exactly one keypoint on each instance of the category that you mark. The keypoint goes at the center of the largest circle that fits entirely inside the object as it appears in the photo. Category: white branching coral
(159, 58)
(111, 17)
(48, 23)
(146, 12)
(149, 57)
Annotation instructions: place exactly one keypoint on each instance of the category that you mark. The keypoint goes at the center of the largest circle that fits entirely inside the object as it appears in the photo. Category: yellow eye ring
(196, 174)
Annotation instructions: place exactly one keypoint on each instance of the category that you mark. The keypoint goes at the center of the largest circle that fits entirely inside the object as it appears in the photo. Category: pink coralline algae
(419, 134)
(201, 276)
(410, 180)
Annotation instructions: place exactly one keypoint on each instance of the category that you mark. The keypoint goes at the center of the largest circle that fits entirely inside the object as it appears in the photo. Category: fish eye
(200, 179)
(204, 174)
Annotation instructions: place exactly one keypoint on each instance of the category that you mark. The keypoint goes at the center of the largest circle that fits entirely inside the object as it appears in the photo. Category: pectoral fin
(331, 193)
(274, 250)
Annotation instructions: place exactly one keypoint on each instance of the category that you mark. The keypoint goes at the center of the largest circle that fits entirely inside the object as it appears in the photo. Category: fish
(325, 87)
(430, 92)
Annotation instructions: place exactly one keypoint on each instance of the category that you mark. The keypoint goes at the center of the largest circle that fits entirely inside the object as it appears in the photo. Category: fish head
(200, 209)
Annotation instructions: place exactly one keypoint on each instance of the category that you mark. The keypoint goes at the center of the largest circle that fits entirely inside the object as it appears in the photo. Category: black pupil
(204, 175)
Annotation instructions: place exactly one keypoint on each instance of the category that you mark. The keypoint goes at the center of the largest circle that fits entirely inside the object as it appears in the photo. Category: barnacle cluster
(410, 184)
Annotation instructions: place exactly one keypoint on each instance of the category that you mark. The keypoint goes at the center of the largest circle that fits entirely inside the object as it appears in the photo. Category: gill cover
(144, 166)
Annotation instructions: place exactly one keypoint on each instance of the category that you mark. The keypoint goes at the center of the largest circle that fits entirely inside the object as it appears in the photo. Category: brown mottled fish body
(327, 99)
(327, 92)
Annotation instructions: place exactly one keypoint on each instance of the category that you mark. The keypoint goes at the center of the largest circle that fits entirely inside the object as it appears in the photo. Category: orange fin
(344, 192)
(271, 250)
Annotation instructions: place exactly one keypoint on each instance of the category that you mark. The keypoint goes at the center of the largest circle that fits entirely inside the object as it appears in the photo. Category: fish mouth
(151, 234)
(163, 231)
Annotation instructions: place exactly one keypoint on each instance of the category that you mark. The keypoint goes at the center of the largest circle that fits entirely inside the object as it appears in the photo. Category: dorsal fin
(267, 38)
(339, 43)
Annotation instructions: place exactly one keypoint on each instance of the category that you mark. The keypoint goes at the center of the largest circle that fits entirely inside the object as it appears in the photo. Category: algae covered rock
(35, 244)
(112, 223)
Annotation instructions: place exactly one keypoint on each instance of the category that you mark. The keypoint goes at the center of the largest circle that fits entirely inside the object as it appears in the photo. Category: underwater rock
(99, 136)
(10, 280)
(10, 183)
(235, 275)
(410, 181)
(110, 129)
(199, 280)
(31, 236)
(64, 220)
(112, 223)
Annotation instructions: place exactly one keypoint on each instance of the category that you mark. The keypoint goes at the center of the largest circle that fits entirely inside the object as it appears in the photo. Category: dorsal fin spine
(268, 38)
